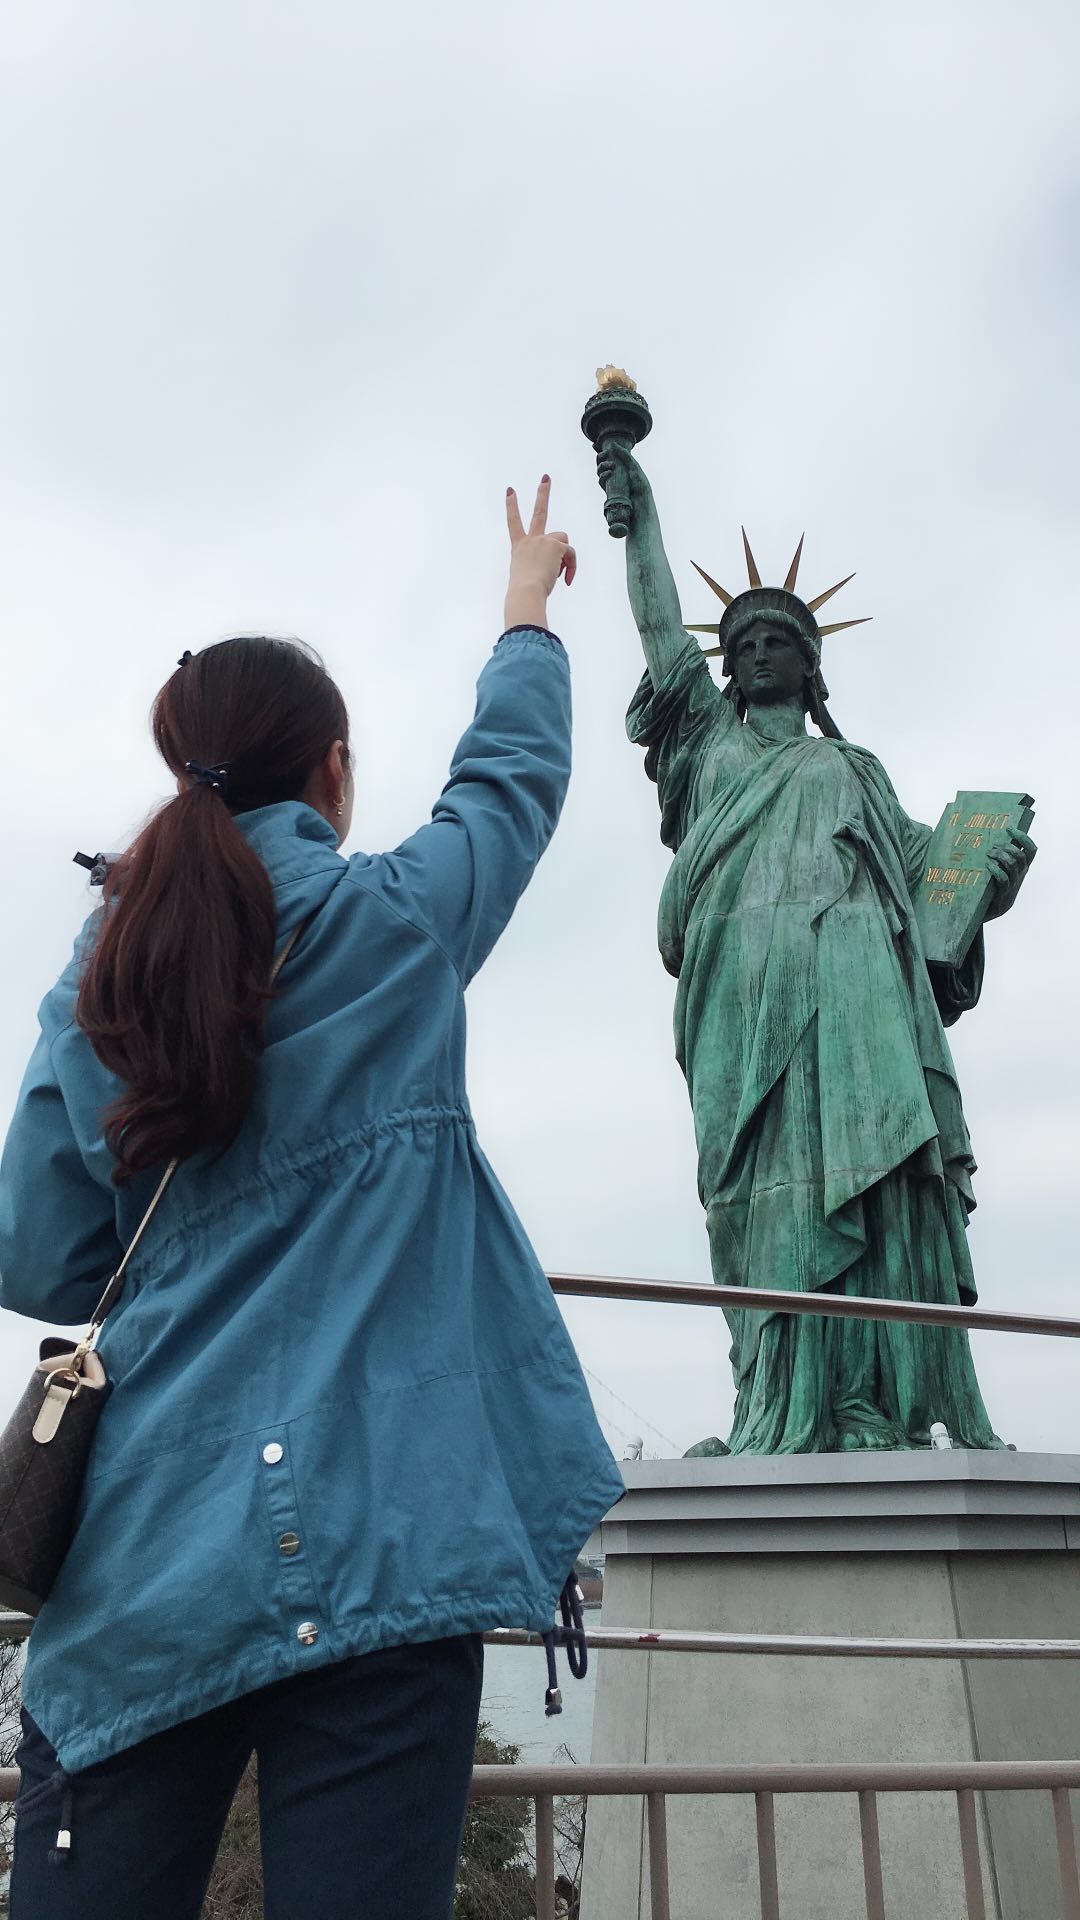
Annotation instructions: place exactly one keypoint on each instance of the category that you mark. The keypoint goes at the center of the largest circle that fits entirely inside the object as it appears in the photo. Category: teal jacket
(346, 1413)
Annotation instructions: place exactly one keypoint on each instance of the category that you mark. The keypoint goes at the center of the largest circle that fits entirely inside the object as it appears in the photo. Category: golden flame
(611, 378)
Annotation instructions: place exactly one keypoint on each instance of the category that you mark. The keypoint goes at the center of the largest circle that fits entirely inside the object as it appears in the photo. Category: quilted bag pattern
(39, 1490)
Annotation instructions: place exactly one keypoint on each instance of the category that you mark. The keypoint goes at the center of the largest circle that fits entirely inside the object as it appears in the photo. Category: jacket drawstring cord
(60, 1853)
(571, 1635)
(58, 1782)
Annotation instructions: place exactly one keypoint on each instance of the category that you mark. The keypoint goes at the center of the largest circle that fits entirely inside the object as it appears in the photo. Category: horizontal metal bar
(836, 1646)
(935, 1776)
(819, 1646)
(596, 1286)
(978, 1776)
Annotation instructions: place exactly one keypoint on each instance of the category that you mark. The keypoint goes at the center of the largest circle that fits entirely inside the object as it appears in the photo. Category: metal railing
(817, 1646)
(678, 1293)
(653, 1784)
(835, 1646)
(964, 1780)
(544, 1785)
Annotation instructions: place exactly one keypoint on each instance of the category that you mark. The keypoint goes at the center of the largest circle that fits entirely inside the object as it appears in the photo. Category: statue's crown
(777, 603)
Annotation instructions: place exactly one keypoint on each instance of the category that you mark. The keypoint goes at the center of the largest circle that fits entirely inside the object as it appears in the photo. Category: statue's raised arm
(650, 583)
(615, 420)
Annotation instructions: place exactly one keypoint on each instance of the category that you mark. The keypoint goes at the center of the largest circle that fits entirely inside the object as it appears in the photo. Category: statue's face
(769, 664)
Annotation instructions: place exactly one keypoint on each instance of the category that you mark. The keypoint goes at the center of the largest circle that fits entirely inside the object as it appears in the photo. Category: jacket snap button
(289, 1543)
(307, 1633)
(273, 1453)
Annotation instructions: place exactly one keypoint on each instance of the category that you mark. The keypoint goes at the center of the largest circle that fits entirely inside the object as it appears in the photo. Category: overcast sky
(291, 294)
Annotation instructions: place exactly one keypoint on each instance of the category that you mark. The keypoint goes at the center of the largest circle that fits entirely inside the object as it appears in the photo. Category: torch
(615, 416)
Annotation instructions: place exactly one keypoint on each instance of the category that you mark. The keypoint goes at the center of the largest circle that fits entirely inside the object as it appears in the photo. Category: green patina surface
(955, 886)
(832, 1147)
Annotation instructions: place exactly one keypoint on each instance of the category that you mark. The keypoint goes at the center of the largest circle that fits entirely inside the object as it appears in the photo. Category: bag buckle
(55, 1403)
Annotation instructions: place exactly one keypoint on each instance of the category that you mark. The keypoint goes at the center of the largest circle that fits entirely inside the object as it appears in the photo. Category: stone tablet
(954, 892)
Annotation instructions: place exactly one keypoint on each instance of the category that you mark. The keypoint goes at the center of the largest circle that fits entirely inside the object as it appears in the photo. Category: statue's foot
(873, 1440)
(711, 1449)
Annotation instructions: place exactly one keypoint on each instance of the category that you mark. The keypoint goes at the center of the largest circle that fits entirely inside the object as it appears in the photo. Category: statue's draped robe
(832, 1148)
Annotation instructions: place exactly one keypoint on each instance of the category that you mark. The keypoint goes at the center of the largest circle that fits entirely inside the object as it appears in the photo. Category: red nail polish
(545, 479)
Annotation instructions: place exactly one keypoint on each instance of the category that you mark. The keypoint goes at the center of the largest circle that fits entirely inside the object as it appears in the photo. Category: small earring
(340, 808)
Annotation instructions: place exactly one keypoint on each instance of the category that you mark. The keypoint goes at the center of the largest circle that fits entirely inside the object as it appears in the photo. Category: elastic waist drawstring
(571, 1635)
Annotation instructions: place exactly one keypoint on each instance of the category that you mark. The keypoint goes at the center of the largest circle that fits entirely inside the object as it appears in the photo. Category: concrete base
(960, 1545)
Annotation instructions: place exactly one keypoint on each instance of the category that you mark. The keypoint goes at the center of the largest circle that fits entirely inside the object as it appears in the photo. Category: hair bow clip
(96, 864)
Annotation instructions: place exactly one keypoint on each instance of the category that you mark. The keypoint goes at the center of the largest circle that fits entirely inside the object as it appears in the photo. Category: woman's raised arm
(462, 875)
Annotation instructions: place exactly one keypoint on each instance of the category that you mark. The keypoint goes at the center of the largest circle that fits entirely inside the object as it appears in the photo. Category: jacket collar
(291, 840)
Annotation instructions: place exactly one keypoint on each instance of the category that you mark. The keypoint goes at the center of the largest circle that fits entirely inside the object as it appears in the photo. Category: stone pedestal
(928, 1545)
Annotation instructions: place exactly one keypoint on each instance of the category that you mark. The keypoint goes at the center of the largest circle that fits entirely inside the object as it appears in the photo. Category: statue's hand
(1008, 864)
(618, 463)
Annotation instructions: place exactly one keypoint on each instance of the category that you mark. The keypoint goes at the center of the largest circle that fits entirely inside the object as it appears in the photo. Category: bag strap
(116, 1285)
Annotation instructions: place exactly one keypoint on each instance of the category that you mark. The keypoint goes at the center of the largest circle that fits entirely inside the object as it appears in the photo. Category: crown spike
(828, 594)
(713, 629)
(793, 570)
(839, 625)
(751, 563)
(721, 592)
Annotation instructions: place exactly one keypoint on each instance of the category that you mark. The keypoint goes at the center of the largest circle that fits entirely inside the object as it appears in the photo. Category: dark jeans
(363, 1773)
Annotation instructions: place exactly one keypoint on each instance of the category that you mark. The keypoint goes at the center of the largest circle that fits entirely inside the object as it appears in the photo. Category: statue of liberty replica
(814, 989)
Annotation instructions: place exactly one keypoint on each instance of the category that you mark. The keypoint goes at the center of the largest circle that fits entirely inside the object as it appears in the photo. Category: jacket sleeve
(461, 876)
(58, 1240)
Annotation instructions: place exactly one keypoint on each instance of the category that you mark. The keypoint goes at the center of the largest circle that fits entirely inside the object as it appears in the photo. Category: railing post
(969, 1848)
(545, 1857)
(871, 1856)
(766, 1856)
(659, 1897)
(1066, 1846)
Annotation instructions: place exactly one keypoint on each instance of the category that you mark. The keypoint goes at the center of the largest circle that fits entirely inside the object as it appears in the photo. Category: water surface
(515, 1679)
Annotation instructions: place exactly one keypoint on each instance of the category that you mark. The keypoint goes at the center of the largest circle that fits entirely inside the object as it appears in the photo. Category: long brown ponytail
(174, 996)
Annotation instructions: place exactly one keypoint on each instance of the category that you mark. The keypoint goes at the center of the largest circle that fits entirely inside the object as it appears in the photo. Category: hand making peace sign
(537, 559)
